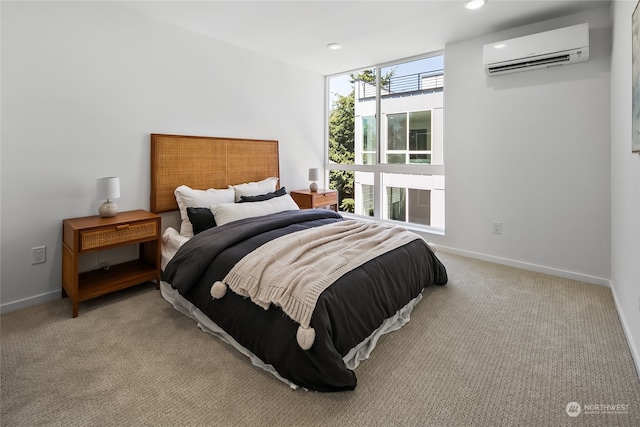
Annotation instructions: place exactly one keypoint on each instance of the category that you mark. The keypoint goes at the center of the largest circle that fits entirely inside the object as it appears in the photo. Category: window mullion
(377, 176)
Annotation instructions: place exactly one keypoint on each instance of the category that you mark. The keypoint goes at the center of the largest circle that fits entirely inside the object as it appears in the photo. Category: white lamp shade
(313, 175)
(108, 188)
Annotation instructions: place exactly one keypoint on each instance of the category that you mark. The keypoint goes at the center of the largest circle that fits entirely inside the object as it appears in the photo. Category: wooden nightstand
(94, 233)
(307, 199)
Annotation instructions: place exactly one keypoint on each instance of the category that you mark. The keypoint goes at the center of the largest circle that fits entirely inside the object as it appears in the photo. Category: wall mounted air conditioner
(567, 45)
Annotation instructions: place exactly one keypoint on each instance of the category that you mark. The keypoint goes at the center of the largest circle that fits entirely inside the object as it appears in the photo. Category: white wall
(530, 150)
(625, 183)
(83, 86)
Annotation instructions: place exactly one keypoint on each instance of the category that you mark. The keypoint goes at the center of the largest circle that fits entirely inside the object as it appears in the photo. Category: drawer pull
(122, 227)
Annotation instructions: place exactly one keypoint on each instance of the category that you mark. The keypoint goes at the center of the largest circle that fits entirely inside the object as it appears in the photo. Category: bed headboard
(203, 162)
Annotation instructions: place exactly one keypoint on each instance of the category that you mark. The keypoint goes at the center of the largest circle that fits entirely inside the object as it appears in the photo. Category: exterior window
(415, 128)
(409, 205)
(386, 144)
(397, 132)
(396, 203)
(367, 200)
(419, 206)
(369, 140)
(420, 137)
(408, 197)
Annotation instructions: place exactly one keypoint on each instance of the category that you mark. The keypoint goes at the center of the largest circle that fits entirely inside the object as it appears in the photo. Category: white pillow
(229, 212)
(265, 186)
(171, 242)
(172, 239)
(188, 197)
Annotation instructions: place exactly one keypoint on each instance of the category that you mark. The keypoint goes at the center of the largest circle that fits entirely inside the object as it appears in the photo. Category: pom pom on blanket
(305, 337)
(218, 290)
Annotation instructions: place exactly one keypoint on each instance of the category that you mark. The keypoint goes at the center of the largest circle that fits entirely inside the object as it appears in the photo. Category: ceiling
(371, 32)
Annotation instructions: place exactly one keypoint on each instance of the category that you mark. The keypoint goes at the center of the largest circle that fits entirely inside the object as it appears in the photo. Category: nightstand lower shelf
(120, 276)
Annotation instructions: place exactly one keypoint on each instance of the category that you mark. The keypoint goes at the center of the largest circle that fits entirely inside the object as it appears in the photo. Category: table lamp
(108, 188)
(313, 176)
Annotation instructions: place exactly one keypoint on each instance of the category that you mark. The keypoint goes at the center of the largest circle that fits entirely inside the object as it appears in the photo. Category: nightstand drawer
(115, 234)
(307, 199)
(325, 199)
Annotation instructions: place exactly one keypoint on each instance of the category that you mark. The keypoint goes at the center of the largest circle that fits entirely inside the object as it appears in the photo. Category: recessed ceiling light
(334, 46)
(474, 4)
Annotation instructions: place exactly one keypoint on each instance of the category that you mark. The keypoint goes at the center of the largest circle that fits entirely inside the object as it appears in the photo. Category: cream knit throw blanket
(293, 270)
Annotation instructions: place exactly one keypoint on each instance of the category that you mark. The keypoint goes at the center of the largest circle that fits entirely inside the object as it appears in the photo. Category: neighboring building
(411, 132)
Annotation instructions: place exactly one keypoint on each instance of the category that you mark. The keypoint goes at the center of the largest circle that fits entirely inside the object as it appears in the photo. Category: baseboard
(528, 266)
(31, 301)
(635, 352)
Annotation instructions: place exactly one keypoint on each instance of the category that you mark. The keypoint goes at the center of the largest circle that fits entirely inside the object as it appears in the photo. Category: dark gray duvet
(346, 313)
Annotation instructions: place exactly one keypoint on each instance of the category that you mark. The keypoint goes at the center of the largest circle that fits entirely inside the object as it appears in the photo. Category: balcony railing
(418, 82)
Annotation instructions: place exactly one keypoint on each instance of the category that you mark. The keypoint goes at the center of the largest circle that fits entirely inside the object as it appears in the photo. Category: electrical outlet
(497, 227)
(38, 254)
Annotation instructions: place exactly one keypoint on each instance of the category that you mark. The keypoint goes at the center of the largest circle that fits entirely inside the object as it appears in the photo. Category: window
(420, 137)
(385, 142)
(396, 203)
(396, 133)
(369, 140)
(409, 137)
(367, 199)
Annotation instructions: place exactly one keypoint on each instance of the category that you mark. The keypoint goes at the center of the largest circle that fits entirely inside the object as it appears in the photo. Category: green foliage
(341, 130)
(348, 205)
(369, 76)
(341, 145)
(342, 139)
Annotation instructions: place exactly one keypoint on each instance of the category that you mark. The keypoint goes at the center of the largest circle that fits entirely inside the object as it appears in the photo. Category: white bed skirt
(351, 360)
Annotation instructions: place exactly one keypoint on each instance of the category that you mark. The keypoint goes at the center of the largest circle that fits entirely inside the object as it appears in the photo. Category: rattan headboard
(203, 162)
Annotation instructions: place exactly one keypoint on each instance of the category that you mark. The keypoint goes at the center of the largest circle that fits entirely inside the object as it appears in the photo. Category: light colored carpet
(497, 346)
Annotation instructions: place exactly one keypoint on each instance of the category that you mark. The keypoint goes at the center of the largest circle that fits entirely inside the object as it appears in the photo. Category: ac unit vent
(528, 64)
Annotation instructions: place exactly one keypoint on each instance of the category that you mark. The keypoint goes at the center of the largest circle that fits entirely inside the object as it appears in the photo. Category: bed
(305, 294)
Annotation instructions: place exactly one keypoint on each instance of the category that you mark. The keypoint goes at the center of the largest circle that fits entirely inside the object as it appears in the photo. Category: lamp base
(313, 187)
(108, 209)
